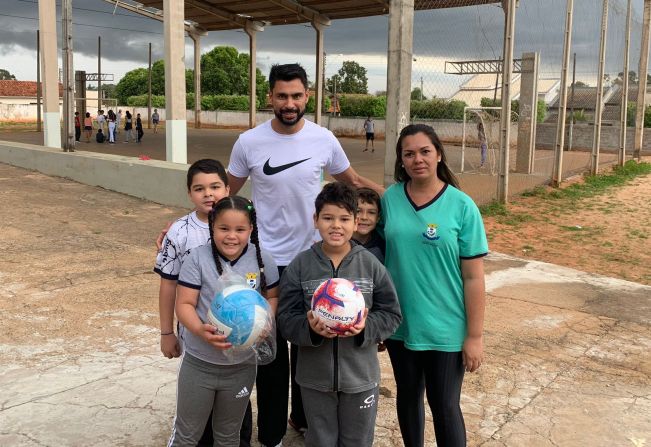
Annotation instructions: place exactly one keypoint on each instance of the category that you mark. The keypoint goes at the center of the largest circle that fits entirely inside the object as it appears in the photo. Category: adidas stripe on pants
(203, 387)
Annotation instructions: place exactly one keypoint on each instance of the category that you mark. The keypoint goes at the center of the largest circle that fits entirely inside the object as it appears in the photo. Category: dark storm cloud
(458, 33)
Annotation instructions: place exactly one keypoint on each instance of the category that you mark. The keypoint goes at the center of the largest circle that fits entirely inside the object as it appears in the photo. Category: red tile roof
(20, 89)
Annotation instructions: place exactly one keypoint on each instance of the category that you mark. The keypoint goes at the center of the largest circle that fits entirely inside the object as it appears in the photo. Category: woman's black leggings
(438, 373)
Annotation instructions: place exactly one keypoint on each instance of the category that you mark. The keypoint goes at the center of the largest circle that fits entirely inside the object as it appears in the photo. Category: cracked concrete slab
(567, 352)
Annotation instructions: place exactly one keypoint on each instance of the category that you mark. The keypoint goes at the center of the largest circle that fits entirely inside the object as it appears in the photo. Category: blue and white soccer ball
(241, 314)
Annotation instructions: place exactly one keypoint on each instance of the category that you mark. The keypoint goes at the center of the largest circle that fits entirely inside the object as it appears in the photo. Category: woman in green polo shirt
(435, 244)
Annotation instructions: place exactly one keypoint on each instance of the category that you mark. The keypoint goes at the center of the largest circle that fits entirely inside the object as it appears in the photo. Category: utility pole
(641, 91)
(557, 174)
(68, 77)
(596, 142)
(421, 88)
(99, 72)
(38, 81)
(334, 108)
(621, 156)
(149, 91)
(572, 119)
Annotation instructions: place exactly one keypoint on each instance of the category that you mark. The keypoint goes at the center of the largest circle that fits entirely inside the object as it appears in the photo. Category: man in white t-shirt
(285, 158)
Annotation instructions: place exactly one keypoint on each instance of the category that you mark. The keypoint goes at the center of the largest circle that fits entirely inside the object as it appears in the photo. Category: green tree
(133, 83)
(224, 71)
(158, 78)
(333, 84)
(6, 76)
(109, 90)
(352, 78)
(417, 95)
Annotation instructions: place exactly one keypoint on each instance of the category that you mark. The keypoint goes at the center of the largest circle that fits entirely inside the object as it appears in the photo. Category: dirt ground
(609, 234)
(567, 359)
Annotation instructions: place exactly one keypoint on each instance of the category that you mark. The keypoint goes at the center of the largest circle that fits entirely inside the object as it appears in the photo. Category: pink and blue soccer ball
(241, 314)
(339, 304)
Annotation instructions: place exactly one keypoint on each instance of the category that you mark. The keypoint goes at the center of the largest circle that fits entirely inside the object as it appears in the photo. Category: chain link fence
(454, 76)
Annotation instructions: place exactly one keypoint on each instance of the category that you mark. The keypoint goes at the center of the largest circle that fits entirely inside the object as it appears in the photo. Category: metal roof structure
(219, 15)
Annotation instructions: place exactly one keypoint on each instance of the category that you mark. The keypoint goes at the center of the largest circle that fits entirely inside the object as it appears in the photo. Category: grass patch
(493, 209)
(514, 219)
(594, 184)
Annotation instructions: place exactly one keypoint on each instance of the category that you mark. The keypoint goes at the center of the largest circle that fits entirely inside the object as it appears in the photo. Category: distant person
(128, 126)
(369, 128)
(77, 127)
(111, 126)
(139, 131)
(100, 138)
(483, 148)
(101, 119)
(155, 118)
(88, 127)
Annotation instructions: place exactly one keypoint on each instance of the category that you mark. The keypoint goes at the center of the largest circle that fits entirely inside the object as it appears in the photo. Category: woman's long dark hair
(246, 206)
(442, 170)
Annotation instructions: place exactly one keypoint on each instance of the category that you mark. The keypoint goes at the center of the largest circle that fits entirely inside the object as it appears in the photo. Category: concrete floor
(567, 353)
(480, 184)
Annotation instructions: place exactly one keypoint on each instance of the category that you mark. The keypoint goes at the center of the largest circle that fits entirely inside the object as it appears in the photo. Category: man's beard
(299, 115)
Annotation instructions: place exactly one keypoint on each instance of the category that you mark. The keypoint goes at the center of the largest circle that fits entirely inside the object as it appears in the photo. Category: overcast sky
(439, 35)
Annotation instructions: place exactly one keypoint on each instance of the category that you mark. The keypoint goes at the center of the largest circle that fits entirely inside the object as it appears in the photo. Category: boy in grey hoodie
(339, 375)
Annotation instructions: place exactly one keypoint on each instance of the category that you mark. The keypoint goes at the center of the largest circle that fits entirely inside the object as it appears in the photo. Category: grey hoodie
(346, 364)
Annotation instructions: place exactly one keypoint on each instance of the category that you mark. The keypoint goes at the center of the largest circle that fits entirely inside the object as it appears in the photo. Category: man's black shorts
(370, 136)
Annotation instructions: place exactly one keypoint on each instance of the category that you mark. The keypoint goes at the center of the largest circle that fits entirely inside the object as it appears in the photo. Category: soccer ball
(241, 314)
(339, 304)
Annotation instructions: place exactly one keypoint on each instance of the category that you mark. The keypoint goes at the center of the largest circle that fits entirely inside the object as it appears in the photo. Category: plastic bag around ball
(245, 317)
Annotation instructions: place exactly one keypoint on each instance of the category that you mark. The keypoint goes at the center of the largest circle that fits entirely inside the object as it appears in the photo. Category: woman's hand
(473, 353)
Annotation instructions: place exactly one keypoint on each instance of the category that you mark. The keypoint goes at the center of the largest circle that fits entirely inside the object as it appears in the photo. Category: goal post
(487, 116)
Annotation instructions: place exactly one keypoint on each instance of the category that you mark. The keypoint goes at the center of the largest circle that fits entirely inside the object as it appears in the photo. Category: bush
(225, 102)
(157, 101)
(309, 107)
(438, 108)
(541, 108)
(362, 105)
(631, 115)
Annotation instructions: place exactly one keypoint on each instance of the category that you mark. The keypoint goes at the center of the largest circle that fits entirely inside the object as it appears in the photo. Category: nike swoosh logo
(271, 170)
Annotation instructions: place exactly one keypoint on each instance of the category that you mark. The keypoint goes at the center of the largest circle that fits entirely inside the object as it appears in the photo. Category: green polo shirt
(424, 249)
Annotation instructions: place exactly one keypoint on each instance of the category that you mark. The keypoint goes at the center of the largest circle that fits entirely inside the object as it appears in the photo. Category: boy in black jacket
(339, 375)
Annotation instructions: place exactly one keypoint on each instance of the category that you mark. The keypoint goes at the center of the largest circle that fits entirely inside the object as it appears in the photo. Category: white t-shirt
(285, 173)
(369, 125)
(186, 233)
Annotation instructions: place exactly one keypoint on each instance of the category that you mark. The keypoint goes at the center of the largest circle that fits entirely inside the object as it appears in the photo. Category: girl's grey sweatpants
(336, 419)
(204, 387)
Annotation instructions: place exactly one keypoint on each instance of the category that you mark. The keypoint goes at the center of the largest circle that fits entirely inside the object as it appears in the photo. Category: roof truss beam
(480, 67)
(303, 11)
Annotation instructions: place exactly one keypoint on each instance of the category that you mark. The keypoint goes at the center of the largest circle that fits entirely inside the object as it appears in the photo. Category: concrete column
(621, 155)
(318, 82)
(253, 51)
(642, 72)
(176, 141)
(557, 173)
(80, 92)
(596, 140)
(400, 55)
(505, 118)
(47, 17)
(196, 39)
(528, 113)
